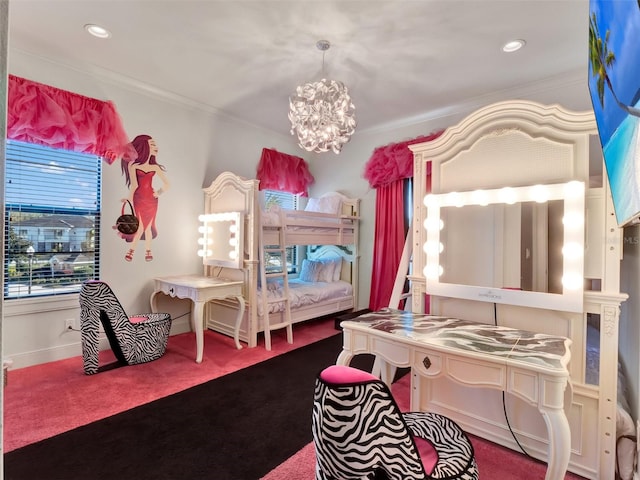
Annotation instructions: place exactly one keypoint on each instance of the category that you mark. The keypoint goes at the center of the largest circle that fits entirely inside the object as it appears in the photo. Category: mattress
(304, 293)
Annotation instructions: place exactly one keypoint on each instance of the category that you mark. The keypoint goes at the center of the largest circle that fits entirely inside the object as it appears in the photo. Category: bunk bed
(504, 146)
(325, 235)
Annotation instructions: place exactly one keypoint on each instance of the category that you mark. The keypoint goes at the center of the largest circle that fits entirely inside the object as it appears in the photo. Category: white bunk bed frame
(520, 143)
(324, 235)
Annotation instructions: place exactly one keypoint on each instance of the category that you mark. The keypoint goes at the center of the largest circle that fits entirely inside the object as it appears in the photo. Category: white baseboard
(74, 349)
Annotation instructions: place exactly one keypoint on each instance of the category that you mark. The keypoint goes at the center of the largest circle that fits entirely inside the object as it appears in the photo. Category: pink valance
(46, 115)
(287, 173)
(394, 161)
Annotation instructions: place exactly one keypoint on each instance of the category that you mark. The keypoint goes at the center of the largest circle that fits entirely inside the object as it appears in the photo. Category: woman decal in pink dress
(139, 174)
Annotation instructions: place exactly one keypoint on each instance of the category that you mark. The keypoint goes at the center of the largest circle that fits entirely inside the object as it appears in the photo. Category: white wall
(195, 145)
(344, 172)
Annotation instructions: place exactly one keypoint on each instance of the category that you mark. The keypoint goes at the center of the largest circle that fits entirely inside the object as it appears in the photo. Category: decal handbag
(127, 223)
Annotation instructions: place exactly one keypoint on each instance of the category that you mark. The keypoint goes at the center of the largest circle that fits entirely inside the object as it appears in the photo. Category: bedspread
(304, 293)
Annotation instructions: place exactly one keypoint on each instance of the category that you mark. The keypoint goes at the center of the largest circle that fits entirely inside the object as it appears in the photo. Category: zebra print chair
(134, 339)
(359, 433)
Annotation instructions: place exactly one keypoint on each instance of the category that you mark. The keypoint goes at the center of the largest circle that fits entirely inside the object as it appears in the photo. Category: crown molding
(569, 79)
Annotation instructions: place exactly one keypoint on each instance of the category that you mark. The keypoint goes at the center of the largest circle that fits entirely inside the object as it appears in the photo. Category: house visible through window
(287, 201)
(52, 220)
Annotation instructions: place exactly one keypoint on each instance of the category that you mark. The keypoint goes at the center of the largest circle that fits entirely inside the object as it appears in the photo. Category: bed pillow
(330, 204)
(316, 271)
(337, 267)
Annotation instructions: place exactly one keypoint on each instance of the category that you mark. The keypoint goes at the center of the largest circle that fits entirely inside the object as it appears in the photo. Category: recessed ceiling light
(97, 30)
(513, 46)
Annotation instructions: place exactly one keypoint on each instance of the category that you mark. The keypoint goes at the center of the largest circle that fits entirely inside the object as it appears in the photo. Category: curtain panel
(386, 170)
(283, 172)
(49, 116)
(388, 243)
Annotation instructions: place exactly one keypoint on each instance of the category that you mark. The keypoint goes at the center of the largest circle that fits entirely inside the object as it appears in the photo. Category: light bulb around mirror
(455, 199)
(572, 251)
(572, 281)
(507, 195)
(433, 248)
(573, 220)
(433, 271)
(433, 223)
(430, 200)
(574, 189)
(540, 193)
(480, 197)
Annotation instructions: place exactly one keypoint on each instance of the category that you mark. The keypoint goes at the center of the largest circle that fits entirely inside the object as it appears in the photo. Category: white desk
(200, 290)
(529, 365)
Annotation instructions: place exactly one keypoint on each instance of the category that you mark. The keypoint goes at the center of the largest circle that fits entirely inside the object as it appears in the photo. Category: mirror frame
(209, 222)
(572, 297)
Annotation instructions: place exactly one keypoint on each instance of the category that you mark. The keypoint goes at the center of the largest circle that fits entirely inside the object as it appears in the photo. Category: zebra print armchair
(134, 339)
(359, 433)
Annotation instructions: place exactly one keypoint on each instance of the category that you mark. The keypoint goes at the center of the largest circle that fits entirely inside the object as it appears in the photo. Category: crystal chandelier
(321, 113)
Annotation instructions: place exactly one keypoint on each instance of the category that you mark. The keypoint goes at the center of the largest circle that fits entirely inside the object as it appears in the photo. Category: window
(287, 201)
(52, 220)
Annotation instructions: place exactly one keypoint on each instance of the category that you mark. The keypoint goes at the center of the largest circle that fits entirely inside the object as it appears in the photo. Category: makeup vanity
(221, 240)
(528, 365)
(519, 232)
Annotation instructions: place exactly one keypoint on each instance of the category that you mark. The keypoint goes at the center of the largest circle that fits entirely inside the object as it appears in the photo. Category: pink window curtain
(283, 172)
(55, 118)
(388, 245)
(386, 170)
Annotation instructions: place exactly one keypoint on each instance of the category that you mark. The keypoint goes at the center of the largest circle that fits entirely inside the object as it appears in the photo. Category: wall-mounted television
(614, 84)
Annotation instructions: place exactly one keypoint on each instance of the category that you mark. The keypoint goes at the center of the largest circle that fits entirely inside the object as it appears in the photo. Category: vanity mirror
(221, 239)
(520, 246)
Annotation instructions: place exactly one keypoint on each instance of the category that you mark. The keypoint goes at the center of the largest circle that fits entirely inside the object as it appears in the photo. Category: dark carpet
(236, 427)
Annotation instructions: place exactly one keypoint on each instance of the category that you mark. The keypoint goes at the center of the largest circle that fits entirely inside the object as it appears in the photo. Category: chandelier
(321, 113)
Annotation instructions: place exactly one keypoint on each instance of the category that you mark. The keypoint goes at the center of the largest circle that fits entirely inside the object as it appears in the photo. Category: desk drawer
(470, 372)
(465, 371)
(427, 364)
(393, 352)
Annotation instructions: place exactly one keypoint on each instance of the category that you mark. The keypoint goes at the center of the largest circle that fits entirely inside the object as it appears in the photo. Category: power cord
(504, 400)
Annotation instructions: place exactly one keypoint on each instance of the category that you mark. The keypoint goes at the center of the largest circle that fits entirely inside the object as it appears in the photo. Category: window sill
(26, 306)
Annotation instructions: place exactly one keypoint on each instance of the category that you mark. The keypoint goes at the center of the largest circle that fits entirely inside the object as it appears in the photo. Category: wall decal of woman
(139, 174)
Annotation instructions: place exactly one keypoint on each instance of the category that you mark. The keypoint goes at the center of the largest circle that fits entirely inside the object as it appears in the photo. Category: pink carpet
(49, 399)
(494, 462)
(45, 400)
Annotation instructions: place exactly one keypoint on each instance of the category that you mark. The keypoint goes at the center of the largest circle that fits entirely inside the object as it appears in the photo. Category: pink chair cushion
(337, 374)
(427, 453)
(138, 319)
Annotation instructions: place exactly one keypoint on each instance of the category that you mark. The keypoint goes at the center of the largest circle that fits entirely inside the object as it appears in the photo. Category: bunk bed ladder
(279, 251)
(400, 291)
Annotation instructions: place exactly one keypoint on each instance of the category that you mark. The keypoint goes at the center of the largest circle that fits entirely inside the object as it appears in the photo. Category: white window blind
(287, 201)
(52, 220)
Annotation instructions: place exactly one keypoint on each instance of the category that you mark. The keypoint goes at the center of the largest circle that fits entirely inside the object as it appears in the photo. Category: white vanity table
(529, 365)
(546, 263)
(200, 290)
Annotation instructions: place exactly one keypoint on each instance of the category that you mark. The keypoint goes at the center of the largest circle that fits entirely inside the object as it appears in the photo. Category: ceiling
(400, 59)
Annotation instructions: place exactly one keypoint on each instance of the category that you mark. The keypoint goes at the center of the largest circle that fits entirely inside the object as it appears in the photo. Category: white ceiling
(400, 59)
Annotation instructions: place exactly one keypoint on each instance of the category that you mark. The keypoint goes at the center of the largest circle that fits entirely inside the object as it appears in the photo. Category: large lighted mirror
(221, 239)
(521, 246)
